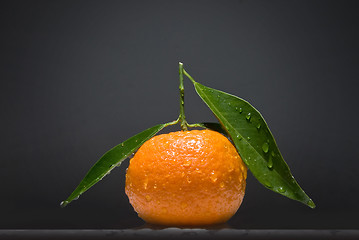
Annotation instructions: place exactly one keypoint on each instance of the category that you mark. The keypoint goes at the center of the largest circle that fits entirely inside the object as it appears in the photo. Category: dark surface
(79, 77)
(176, 233)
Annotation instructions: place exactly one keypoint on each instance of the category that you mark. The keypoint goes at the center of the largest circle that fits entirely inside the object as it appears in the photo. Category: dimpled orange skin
(186, 178)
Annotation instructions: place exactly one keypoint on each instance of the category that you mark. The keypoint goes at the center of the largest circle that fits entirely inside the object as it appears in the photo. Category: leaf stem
(189, 76)
(182, 117)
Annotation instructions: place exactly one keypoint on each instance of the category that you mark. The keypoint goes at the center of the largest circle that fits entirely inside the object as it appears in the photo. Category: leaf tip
(311, 204)
(64, 203)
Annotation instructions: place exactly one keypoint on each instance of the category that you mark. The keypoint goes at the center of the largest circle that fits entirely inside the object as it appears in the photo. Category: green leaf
(254, 142)
(112, 159)
(214, 126)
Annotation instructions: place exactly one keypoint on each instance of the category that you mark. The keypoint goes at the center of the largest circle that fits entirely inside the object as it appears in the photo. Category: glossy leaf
(215, 127)
(111, 159)
(254, 142)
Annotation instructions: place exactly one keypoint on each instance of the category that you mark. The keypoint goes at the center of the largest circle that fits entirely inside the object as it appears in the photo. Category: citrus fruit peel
(186, 178)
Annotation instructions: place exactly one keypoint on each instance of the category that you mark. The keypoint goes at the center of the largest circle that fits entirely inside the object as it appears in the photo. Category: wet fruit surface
(187, 178)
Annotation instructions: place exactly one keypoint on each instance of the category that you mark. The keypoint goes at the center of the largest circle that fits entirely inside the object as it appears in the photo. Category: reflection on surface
(209, 227)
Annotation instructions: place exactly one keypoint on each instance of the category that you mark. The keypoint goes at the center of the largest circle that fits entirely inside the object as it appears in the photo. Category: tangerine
(186, 178)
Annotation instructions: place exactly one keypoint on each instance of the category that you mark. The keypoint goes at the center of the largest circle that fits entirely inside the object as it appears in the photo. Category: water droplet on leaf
(265, 147)
(281, 190)
(270, 163)
(248, 116)
(240, 110)
(268, 184)
(64, 203)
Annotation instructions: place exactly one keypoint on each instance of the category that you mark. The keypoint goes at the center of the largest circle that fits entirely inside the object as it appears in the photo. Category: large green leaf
(112, 159)
(214, 126)
(254, 142)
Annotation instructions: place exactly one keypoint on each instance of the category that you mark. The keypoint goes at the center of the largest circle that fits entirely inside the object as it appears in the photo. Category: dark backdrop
(79, 77)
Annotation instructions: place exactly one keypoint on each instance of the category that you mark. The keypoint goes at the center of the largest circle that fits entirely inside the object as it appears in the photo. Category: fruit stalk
(182, 117)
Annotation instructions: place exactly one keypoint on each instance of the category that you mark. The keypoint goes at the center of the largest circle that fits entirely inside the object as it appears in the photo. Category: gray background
(79, 77)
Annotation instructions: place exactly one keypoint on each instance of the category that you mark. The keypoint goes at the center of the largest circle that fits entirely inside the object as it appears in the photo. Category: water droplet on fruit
(248, 116)
(148, 198)
(145, 183)
(213, 177)
(221, 184)
(231, 168)
(265, 147)
(184, 205)
(187, 163)
(164, 210)
(188, 179)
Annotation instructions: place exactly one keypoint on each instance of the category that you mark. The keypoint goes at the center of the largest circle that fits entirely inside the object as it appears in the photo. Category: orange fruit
(186, 178)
